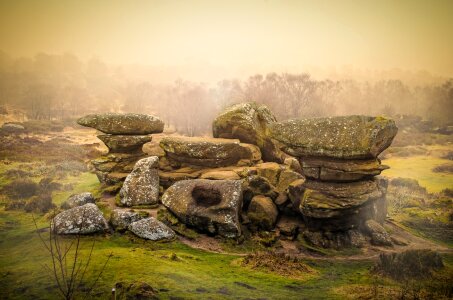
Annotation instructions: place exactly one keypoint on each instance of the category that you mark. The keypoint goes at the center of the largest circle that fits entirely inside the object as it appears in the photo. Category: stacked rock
(125, 134)
(338, 156)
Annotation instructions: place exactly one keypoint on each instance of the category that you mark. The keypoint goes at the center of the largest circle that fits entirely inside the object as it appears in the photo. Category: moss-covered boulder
(262, 212)
(124, 143)
(347, 137)
(248, 122)
(85, 219)
(330, 169)
(211, 206)
(341, 206)
(209, 152)
(141, 186)
(152, 229)
(128, 124)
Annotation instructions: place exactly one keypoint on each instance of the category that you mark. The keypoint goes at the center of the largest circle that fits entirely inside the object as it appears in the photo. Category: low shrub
(21, 188)
(42, 203)
(410, 264)
(445, 168)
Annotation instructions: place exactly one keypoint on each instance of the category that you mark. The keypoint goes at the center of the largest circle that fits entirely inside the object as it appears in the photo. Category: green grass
(420, 168)
(22, 275)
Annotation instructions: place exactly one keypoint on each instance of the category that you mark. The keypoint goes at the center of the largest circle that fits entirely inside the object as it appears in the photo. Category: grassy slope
(215, 275)
(420, 168)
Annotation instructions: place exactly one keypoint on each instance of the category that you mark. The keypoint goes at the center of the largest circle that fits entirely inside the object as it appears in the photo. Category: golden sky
(381, 34)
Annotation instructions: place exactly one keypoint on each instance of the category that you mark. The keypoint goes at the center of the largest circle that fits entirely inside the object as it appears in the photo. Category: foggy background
(184, 61)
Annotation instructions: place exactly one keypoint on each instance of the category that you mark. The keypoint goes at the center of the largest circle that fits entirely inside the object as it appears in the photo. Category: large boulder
(120, 219)
(78, 200)
(83, 219)
(212, 206)
(124, 143)
(141, 186)
(348, 137)
(379, 236)
(129, 124)
(209, 152)
(152, 229)
(248, 122)
(341, 206)
(262, 212)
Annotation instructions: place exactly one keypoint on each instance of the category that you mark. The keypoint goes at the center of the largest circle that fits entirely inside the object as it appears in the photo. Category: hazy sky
(381, 34)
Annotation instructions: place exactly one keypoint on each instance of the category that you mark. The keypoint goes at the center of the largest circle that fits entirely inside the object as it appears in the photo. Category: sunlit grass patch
(421, 169)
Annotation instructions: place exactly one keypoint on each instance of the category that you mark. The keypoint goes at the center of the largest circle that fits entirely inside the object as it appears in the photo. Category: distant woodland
(55, 87)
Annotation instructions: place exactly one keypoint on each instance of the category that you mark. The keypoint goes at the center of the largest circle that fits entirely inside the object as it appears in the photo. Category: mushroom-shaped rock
(83, 219)
(141, 186)
(152, 229)
(209, 152)
(248, 122)
(124, 143)
(78, 200)
(129, 124)
(121, 219)
(212, 206)
(347, 137)
(262, 212)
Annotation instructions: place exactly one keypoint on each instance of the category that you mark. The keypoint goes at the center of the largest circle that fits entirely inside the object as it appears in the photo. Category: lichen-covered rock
(328, 169)
(141, 186)
(379, 236)
(348, 137)
(124, 143)
(209, 152)
(83, 219)
(120, 219)
(152, 229)
(129, 124)
(78, 200)
(340, 206)
(248, 122)
(212, 206)
(262, 212)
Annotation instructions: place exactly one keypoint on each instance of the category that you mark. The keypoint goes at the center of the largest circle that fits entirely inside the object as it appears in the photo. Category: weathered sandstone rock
(152, 229)
(141, 186)
(83, 219)
(262, 212)
(120, 219)
(349, 137)
(209, 152)
(78, 200)
(124, 143)
(212, 206)
(248, 122)
(129, 124)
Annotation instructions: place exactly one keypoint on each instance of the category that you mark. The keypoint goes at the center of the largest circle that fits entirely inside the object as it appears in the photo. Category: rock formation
(212, 206)
(120, 219)
(125, 134)
(338, 157)
(78, 200)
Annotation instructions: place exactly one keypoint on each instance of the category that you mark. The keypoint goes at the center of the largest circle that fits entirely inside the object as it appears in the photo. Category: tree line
(54, 87)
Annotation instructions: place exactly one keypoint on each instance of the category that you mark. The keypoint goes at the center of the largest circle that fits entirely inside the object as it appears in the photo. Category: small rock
(262, 212)
(83, 219)
(78, 200)
(121, 219)
(379, 235)
(152, 229)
